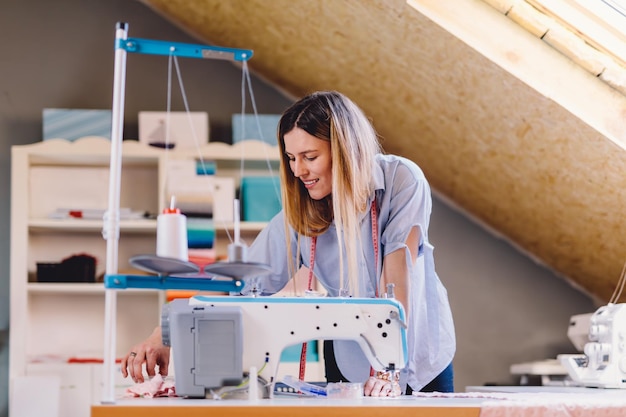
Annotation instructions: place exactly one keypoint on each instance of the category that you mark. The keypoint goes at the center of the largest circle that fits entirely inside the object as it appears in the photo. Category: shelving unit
(52, 322)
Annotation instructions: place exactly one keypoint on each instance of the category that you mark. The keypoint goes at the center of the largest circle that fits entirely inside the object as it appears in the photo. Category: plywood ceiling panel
(508, 155)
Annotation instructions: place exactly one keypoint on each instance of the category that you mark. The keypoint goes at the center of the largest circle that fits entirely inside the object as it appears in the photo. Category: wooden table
(478, 401)
(290, 407)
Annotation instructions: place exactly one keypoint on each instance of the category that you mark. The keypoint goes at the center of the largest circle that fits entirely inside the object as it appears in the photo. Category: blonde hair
(354, 144)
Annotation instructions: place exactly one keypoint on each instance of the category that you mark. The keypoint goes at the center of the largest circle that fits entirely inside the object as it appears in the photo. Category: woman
(358, 221)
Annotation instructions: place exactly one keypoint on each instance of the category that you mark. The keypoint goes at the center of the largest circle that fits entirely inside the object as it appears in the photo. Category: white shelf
(94, 151)
(147, 225)
(80, 225)
(243, 226)
(82, 288)
(66, 319)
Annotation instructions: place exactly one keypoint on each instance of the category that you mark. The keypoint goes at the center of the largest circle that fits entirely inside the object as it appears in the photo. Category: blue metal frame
(122, 281)
(186, 50)
(156, 47)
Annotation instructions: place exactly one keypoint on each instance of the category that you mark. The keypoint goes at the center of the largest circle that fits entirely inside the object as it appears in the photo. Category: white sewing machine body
(603, 364)
(215, 340)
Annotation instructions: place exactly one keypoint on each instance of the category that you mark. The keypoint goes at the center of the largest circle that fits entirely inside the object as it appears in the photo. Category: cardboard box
(209, 196)
(178, 129)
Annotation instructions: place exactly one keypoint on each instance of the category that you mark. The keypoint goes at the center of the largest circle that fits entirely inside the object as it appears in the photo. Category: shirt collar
(378, 177)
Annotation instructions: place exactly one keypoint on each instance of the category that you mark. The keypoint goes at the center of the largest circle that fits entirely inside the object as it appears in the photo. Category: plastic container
(304, 387)
(350, 390)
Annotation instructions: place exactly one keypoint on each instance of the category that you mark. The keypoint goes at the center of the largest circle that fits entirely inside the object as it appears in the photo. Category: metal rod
(111, 230)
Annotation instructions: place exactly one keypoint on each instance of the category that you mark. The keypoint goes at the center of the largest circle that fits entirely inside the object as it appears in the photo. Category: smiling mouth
(309, 184)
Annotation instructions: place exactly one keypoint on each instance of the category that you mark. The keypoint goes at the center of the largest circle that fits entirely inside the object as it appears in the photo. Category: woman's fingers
(375, 387)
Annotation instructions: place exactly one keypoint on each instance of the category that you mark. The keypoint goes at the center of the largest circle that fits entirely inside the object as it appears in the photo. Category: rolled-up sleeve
(409, 205)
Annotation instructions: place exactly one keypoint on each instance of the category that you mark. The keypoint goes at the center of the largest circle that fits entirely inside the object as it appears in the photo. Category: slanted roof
(508, 128)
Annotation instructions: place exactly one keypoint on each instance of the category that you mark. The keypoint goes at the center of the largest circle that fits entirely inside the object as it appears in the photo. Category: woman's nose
(298, 168)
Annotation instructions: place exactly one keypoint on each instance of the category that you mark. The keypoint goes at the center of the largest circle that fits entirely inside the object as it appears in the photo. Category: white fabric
(599, 402)
(404, 200)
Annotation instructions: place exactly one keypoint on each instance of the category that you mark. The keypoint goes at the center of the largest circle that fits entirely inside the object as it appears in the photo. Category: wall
(60, 54)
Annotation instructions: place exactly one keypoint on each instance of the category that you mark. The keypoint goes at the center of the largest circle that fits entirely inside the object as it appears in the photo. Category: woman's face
(310, 161)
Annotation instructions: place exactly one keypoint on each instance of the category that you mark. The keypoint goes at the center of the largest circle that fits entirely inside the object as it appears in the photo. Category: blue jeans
(444, 382)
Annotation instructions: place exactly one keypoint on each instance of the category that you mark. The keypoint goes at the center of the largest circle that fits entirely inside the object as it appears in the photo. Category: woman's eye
(310, 158)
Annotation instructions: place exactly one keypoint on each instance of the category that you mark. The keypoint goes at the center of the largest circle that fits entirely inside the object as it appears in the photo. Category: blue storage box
(260, 198)
(247, 128)
(72, 124)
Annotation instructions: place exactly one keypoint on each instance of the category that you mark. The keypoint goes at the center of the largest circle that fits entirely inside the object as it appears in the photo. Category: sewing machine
(603, 364)
(215, 340)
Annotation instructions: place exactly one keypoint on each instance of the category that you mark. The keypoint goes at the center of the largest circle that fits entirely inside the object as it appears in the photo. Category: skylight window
(618, 5)
(600, 23)
(611, 12)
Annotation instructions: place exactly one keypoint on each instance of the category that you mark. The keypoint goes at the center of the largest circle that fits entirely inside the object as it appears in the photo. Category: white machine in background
(215, 340)
(603, 364)
(578, 330)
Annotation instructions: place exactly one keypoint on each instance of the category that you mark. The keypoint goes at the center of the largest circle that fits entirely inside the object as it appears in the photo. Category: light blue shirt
(404, 200)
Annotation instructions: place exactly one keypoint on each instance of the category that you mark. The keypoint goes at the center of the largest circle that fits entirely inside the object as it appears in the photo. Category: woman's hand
(378, 387)
(152, 352)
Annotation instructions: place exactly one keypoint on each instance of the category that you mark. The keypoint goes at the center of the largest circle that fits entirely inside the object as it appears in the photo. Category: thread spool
(172, 233)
